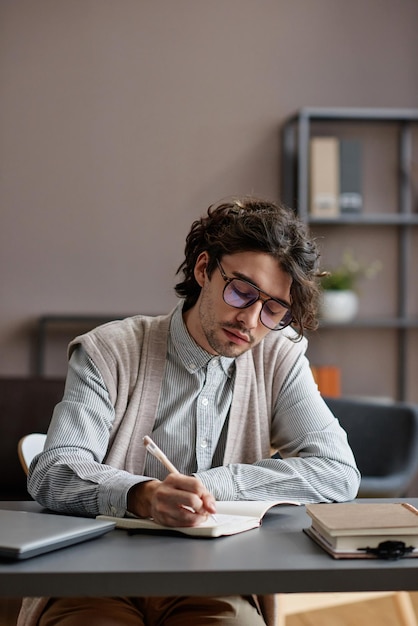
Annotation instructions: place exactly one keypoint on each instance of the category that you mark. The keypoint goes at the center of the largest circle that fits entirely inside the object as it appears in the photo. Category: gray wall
(122, 120)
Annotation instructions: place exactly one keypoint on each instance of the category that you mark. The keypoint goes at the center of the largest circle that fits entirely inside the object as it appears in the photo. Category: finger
(188, 488)
(174, 507)
(182, 500)
(184, 483)
(196, 488)
(179, 516)
(209, 502)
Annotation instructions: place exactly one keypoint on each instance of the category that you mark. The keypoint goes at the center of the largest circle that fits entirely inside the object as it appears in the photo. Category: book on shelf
(335, 177)
(231, 518)
(364, 530)
(350, 198)
(324, 177)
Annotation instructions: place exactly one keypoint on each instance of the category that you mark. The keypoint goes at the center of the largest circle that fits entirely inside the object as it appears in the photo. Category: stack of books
(365, 529)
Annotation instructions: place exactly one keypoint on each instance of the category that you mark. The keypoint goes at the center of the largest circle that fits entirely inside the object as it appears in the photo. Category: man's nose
(250, 316)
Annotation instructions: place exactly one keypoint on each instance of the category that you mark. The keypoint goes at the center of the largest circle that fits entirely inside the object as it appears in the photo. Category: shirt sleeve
(315, 461)
(69, 476)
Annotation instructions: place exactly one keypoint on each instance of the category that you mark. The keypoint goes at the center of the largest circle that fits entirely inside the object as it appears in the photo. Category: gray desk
(278, 557)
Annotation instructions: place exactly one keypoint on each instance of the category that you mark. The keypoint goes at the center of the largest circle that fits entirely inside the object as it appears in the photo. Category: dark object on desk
(384, 439)
(26, 405)
(24, 535)
(390, 550)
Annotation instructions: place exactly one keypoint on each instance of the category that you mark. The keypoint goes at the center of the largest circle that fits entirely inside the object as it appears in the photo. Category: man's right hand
(172, 501)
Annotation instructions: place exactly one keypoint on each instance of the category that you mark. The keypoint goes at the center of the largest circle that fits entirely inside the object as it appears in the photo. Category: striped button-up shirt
(190, 426)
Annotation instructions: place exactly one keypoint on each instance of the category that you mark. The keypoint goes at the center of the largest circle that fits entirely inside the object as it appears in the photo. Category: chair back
(26, 406)
(384, 440)
(28, 447)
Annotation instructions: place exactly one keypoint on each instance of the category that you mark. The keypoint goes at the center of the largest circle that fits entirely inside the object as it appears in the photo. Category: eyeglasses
(275, 314)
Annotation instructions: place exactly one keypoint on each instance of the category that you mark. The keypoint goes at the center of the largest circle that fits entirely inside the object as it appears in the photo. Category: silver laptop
(23, 534)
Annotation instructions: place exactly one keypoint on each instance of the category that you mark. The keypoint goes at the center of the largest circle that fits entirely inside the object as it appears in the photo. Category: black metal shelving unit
(296, 134)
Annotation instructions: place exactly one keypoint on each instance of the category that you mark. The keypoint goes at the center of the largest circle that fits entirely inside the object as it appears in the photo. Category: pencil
(152, 447)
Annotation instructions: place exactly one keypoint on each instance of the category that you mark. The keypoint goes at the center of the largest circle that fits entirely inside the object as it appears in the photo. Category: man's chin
(227, 344)
(232, 350)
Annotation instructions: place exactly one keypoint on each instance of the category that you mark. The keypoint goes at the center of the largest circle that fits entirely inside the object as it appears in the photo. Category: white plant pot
(338, 305)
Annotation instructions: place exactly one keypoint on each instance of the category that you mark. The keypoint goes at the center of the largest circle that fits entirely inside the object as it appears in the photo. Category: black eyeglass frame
(228, 280)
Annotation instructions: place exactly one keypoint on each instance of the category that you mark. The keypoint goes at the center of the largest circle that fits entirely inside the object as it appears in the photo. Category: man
(218, 383)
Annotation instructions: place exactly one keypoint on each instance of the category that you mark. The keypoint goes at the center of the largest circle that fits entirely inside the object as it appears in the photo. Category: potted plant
(339, 302)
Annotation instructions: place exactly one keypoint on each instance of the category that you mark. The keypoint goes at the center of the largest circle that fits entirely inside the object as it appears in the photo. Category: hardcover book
(351, 198)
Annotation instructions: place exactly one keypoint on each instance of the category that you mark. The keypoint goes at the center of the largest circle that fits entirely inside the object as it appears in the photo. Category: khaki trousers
(175, 611)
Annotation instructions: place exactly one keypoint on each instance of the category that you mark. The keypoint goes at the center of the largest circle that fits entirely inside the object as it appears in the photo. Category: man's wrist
(140, 496)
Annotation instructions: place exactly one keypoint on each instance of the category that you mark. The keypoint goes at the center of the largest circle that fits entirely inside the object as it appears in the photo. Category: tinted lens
(240, 294)
(275, 316)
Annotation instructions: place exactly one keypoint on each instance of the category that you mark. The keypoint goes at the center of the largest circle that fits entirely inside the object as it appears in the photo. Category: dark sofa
(26, 406)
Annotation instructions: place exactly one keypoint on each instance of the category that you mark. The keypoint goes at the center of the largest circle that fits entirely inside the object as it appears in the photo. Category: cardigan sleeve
(70, 476)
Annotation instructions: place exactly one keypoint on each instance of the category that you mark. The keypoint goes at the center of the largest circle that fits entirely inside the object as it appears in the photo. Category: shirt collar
(193, 356)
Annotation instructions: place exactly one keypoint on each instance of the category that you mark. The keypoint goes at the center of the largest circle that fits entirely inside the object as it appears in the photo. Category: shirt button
(205, 401)
(204, 443)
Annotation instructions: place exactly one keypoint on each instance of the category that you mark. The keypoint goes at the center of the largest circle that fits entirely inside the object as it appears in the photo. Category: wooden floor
(379, 612)
(371, 613)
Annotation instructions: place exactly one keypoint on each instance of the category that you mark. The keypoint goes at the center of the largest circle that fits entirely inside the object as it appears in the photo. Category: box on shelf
(324, 177)
(328, 379)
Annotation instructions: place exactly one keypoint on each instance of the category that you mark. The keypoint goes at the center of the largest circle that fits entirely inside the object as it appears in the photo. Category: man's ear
(200, 268)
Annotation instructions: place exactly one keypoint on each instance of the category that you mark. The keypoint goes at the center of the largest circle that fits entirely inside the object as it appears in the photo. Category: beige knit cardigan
(130, 355)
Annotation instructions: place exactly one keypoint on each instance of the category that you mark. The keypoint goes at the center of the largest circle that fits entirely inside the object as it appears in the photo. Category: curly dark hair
(252, 224)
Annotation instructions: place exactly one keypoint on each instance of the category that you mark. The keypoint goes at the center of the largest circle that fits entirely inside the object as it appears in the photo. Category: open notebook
(23, 534)
(231, 518)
